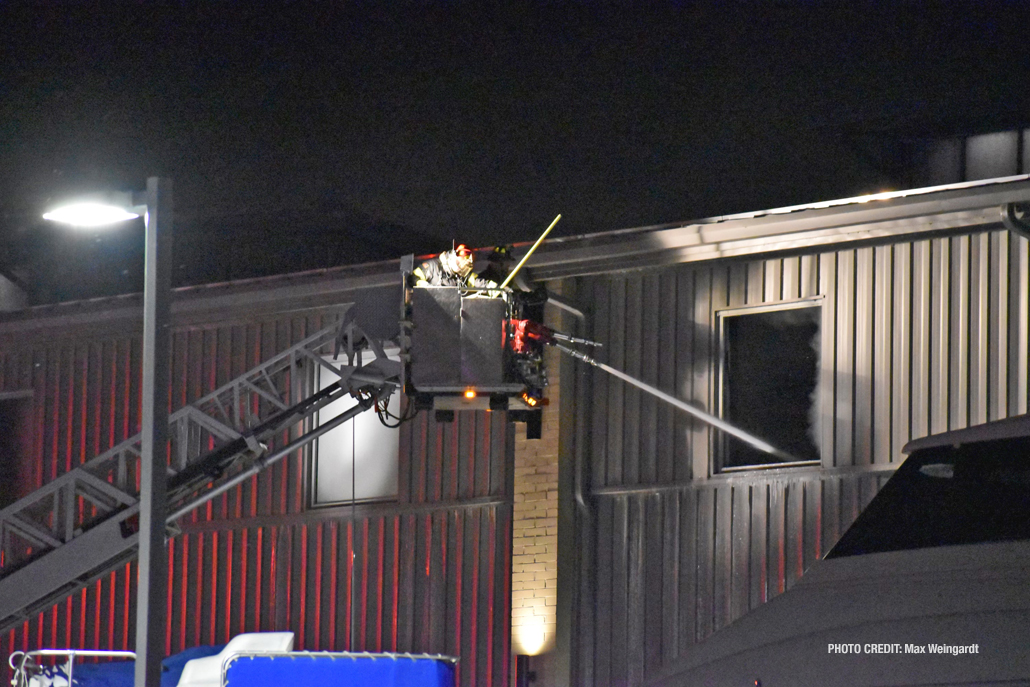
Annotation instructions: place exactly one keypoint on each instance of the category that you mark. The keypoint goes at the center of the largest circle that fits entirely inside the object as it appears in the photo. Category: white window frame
(719, 441)
(377, 448)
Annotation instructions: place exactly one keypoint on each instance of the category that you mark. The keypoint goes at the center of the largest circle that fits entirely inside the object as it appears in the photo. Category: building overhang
(211, 304)
(884, 217)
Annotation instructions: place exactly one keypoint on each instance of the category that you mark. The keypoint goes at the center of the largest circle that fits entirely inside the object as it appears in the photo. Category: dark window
(15, 447)
(769, 381)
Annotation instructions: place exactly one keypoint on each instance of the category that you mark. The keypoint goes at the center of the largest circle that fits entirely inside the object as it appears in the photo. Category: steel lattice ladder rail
(79, 527)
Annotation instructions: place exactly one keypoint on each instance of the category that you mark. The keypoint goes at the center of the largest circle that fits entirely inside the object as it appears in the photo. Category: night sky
(305, 135)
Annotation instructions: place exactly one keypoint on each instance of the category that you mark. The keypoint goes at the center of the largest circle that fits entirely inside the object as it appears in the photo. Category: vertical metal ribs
(79, 500)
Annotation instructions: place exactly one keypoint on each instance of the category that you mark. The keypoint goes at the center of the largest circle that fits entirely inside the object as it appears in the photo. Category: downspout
(575, 517)
(1014, 217)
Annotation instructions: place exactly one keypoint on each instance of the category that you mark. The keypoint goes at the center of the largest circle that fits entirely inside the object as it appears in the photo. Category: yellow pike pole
(523, 260)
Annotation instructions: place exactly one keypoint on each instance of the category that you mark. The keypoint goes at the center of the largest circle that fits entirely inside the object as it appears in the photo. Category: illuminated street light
(156, 205)
(101, 209)
(90, 215)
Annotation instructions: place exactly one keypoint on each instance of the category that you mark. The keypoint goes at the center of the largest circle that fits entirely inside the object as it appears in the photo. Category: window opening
(15, 446)
(769, 383)
(361, 452)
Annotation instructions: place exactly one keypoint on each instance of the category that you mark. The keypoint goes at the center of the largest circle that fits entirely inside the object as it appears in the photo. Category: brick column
(535, 539)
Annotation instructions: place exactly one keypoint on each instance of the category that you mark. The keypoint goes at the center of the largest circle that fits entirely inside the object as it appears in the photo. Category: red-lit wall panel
(429, 573)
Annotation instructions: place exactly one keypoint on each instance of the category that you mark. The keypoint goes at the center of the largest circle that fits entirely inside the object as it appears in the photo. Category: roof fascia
(973, 206)
(205, 305)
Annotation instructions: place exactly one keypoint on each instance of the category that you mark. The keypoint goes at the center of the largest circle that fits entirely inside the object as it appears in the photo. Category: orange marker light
(470, 394)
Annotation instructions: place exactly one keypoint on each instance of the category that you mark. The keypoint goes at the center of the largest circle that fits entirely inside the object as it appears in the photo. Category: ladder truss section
(81, 525)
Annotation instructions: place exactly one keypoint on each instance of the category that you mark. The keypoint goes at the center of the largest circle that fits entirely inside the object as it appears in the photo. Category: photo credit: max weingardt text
(951, 649)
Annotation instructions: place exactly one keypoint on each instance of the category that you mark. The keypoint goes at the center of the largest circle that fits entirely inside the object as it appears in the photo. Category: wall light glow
(531, 636)
(89, 214)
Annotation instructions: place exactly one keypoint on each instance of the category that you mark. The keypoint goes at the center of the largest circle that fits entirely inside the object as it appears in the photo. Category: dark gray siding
(917, 337)
(675, 565)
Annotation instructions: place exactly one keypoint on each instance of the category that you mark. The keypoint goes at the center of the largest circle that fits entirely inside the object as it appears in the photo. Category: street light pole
(152, 590)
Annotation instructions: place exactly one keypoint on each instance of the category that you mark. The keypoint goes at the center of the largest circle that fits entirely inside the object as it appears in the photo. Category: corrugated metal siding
(430, 573)
(677, 564)
(419, 582)
(917, 337)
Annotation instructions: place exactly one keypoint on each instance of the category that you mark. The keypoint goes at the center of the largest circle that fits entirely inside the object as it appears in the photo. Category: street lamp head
(97, 211)
(89, 214)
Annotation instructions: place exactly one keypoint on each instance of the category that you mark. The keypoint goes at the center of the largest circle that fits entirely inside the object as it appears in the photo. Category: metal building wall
(429, 573)
(917, 337)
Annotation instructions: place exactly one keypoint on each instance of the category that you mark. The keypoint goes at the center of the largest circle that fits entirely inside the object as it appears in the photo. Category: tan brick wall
(535, 541)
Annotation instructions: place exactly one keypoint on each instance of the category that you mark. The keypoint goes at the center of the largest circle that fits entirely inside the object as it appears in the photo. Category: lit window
(376, 446)
(768, 383)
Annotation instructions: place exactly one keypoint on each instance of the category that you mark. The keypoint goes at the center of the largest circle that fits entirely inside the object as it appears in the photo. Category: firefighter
(451, 268)
(498, 264)
(527, 303)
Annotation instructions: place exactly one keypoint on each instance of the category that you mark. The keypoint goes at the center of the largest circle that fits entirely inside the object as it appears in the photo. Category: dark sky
(312, 134)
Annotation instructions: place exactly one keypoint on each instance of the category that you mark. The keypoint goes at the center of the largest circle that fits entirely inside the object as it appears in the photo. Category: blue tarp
(121, 673)
(324, 670)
